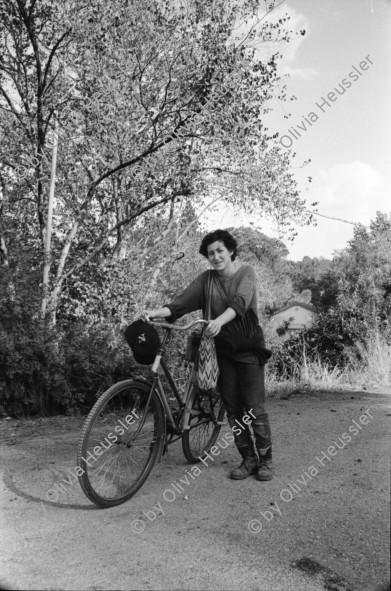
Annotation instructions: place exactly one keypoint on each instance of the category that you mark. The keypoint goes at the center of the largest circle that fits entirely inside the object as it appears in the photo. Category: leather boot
(248, 466)
(265, 466)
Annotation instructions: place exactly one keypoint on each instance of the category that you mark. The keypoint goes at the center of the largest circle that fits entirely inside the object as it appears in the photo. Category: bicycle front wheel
(121, 440)
(206, 416)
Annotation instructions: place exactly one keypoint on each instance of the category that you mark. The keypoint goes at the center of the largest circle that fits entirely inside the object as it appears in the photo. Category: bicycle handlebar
(166, 325)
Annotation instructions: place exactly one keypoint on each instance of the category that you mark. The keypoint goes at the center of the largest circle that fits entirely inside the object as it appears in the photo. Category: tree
(365, 275)
(353, 301)
(152, 104)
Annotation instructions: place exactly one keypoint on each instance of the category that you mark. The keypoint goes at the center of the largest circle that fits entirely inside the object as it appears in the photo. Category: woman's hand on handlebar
(213, 328)
(147, 315)
(159, 313)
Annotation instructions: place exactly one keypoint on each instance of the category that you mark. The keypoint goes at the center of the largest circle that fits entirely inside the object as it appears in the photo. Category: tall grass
(370, 362)
(369, 366)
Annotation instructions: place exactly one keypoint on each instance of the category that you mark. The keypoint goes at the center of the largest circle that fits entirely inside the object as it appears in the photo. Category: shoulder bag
(207, 369)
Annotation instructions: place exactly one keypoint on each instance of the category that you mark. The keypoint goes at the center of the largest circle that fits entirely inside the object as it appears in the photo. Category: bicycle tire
(128, 457)
(207, 409)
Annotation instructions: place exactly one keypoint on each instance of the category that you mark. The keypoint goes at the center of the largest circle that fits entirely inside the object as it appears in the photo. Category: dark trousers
(242, 388)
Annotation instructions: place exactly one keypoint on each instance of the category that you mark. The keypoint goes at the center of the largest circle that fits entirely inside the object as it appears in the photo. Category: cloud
(320, 241)
(353, 190)
(290, 51)
(297, 22)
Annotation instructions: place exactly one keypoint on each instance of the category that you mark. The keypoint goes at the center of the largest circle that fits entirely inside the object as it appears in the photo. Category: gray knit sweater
(237, 292)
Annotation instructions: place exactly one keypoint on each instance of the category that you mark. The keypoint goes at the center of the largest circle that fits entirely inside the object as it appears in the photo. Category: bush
(48, 372)
(297, 363)
(328, 343)
(56, 372)
(287, 358)
(94, 358)
(30, 370)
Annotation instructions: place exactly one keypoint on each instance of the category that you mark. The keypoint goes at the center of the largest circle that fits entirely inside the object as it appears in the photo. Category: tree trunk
(48, 234)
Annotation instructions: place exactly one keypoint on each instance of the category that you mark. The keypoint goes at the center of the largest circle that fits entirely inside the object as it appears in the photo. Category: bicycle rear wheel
(207, 411)
(120, 443)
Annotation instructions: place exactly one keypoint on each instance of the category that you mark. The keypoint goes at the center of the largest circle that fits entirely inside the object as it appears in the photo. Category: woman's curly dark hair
(222, 235)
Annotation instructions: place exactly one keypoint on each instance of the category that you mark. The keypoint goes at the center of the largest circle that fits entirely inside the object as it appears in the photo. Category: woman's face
(219, 256)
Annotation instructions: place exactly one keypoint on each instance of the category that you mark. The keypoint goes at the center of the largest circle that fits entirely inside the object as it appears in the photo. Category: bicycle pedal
(221, 422)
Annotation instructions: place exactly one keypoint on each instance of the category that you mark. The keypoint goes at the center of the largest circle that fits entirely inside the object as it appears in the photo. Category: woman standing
(240, 346)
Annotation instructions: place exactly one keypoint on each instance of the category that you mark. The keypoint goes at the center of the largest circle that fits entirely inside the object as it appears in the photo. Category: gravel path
(321, 523)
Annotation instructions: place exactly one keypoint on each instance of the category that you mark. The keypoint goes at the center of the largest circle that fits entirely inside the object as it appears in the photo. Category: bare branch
(151, 150)
(123, 222)
(13, 110)
(50, 59)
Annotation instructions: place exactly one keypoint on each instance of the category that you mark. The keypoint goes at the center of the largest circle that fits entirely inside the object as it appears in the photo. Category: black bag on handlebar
(144, 341)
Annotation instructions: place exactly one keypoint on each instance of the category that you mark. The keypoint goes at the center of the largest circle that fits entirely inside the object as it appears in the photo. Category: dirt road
(321, 523)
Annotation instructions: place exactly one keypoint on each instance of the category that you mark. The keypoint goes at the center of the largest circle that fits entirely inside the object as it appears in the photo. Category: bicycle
(134, 419)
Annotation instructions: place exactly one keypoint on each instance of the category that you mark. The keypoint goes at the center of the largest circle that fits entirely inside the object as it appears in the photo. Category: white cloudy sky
(349, 145)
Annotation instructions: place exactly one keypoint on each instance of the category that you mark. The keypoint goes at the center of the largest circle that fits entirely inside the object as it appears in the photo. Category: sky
(348, 142)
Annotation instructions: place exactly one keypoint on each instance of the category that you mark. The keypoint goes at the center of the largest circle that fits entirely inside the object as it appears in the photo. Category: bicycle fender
(140, 378)
(145, 382)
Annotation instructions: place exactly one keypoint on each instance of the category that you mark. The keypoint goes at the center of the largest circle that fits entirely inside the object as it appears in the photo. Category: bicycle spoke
(206, 411)
(117, 473)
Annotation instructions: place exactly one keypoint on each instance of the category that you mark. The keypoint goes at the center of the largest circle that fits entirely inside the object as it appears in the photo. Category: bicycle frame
(118, 476)
(156, 385)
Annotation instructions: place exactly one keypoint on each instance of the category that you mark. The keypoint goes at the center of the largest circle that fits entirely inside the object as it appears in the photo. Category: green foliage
(287, 359)
(30, 369)
(351, 293)
(52, 370)
(45, 372)
(151, 103)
